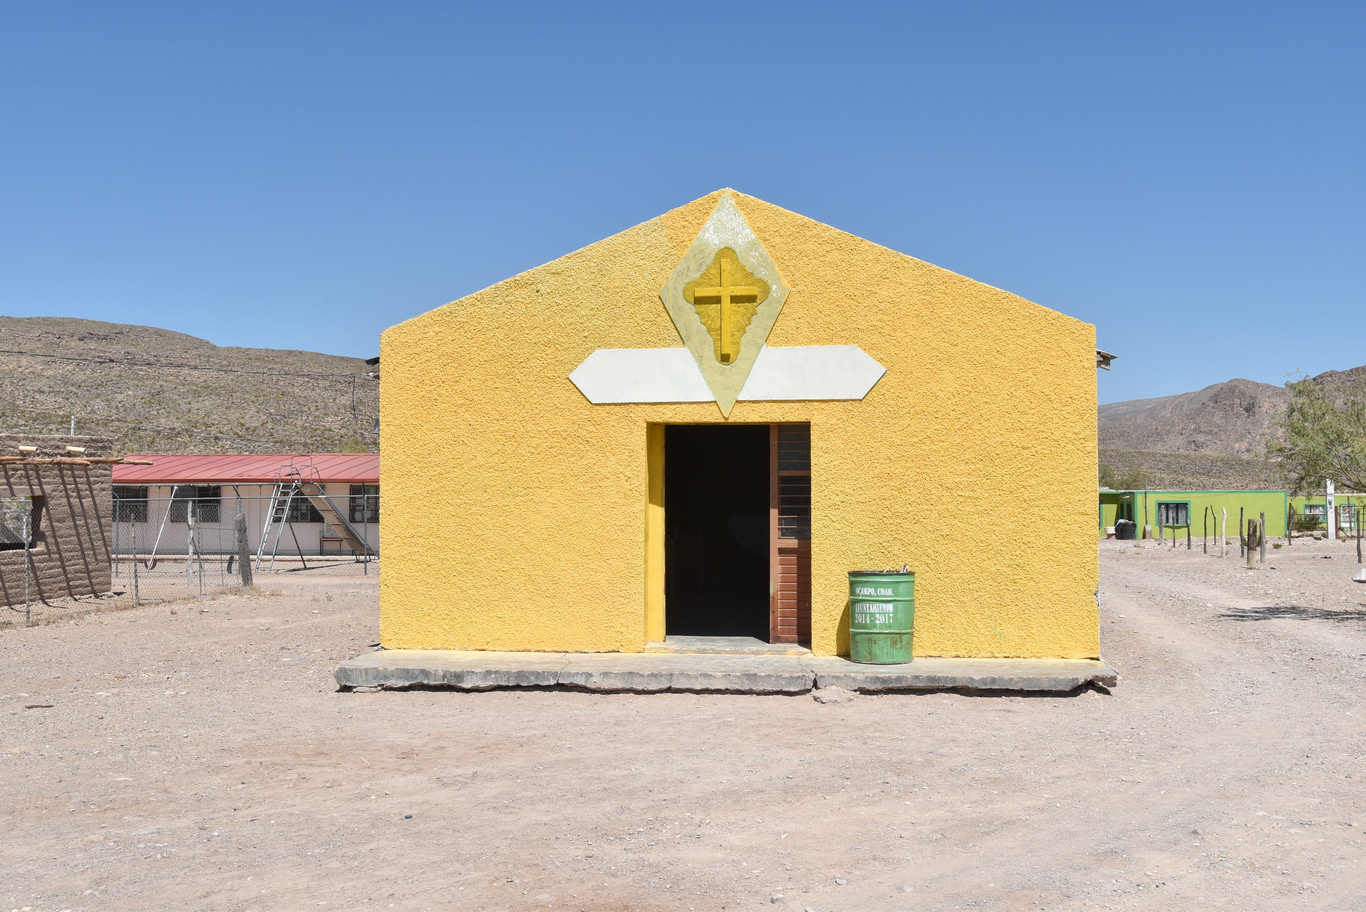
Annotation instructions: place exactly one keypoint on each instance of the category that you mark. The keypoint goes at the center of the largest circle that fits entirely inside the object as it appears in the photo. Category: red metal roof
(247, 468)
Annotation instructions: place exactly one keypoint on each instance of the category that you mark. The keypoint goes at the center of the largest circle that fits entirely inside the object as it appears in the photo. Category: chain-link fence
(202, 521)
(168, 550)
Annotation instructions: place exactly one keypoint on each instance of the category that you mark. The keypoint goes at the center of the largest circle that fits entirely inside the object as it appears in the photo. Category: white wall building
(153, 504)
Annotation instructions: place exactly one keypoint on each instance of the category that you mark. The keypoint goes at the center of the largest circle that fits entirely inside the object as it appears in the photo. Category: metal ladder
(301, 481)
(287, 485)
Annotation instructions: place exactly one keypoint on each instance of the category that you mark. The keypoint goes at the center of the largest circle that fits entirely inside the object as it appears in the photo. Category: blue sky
(1191, 178)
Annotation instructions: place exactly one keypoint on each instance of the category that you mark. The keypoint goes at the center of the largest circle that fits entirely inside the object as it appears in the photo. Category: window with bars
(1173, 513)
(301, 510)
(19, 521)
(204, 498)
(794, 481)
(130, 503)
(364, 503)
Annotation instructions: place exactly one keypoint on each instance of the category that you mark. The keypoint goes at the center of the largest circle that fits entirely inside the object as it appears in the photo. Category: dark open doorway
(716, 528)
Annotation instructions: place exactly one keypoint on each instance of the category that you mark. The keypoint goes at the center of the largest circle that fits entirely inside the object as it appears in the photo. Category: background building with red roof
(154, 504)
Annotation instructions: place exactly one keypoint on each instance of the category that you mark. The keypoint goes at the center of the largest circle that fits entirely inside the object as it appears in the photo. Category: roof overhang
(248, 468)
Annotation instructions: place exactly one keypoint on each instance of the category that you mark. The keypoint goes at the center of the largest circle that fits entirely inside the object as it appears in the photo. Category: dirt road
(203, 759)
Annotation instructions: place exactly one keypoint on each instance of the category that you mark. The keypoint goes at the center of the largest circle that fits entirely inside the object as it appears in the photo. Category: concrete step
(398, 669)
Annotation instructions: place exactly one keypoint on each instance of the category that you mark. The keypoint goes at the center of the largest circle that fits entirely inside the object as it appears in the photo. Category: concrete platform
(658, 672)
(737, 645)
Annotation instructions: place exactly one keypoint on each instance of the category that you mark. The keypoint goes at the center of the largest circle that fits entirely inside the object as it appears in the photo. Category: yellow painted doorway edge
(654, 533)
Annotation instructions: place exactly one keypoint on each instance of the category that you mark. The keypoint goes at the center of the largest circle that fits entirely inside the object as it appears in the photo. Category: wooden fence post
(189, 542)
(243, 557)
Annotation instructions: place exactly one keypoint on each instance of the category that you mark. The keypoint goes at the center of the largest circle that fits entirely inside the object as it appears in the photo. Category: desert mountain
(153, 390)
(1234, 418)
(1214, 438)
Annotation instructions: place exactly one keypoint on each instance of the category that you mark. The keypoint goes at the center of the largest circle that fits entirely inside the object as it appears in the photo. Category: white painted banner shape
(640, 375)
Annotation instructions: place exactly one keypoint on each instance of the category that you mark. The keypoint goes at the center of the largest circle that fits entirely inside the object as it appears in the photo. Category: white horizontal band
(623, 375)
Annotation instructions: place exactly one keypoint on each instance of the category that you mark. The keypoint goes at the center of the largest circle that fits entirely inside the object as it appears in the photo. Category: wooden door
(789, 497)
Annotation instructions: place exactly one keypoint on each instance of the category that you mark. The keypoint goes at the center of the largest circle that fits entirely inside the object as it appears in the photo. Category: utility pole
(1330, 508)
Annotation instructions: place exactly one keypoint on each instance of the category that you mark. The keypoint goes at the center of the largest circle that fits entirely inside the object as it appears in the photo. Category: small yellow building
(699, 425)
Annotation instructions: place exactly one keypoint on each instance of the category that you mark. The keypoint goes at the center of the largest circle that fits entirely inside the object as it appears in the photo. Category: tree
(1325, 435)
(1127, 479)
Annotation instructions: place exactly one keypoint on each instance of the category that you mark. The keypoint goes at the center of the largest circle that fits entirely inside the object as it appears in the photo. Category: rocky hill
(1214, 438)
(153, 390)
(1234, 418)
(1129, 469)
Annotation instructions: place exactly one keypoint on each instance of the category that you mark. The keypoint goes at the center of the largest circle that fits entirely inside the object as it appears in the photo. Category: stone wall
(72, 508)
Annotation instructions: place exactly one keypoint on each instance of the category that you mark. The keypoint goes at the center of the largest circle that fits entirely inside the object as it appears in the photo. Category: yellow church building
(699, 426)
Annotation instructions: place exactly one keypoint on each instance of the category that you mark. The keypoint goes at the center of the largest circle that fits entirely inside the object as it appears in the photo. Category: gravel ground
(198, 756)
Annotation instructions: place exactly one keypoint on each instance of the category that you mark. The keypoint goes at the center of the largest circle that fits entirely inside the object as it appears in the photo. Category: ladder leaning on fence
(277, 513)
(296, 481)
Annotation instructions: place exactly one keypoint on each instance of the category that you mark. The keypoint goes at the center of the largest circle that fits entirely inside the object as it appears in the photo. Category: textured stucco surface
(515, 510)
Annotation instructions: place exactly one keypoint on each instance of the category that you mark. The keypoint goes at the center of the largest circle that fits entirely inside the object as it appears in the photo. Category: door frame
(655, 550)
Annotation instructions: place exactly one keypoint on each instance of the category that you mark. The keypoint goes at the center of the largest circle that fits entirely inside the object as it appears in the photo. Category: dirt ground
(199, 756)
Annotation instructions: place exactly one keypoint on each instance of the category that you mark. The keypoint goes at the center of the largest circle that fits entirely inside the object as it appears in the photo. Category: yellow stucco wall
(515, 512)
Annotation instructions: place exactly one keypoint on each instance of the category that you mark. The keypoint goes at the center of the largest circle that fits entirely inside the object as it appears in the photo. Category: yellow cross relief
(735, 292)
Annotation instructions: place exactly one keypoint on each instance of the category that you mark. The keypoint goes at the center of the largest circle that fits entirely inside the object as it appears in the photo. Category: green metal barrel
(881, 616)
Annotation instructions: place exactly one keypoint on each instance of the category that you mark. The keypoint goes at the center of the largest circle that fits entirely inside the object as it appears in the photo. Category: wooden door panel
(790, 533)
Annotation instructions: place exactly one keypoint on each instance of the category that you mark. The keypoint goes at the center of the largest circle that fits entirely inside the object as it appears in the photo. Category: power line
(135, 427)
(159, 364)
(319, 418)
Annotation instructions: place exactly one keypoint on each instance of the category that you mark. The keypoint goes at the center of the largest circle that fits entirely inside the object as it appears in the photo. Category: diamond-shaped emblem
(724, 297)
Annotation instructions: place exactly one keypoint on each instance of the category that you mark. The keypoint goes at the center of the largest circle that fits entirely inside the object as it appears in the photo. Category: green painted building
(1170, 513)
(1310, 513)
